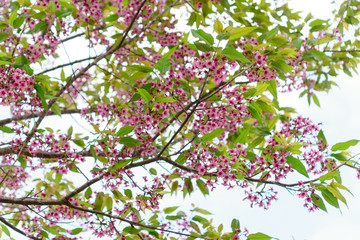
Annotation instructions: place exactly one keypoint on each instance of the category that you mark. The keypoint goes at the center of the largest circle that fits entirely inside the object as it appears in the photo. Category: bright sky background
(287, 218)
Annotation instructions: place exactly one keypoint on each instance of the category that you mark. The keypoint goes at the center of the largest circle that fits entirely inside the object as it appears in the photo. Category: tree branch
(64, 65)
(3, 220)
(38, 114)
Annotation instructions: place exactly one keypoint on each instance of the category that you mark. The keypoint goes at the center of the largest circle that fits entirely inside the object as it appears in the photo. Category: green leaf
(6, 129)
(41, 26)
(297, 165)
(121, 164)
(63, 13)
(203, 36)
(201, 185)
(218, 26)
(52, 230)
(18, 22)
(344, 145)
(259, 236)
(130, 142)
(128, 193)
(153, 171)
(235, 224)
(203, 47)
(39, 15)
(76, 231)
(239, 32)
(336, 193)
(318, 55)
(166, 99)
(3, 36)
(13, 16)
(281, 66)
(338, 185)
(317, 200)
(140, 68)
(223, 36)
(125, 130)
(181, 159)
(4, 62)
(200, 219)
(131, 230)
(255, 114)
(213, 134)
(339, 157)
(55, 109)
(111, 18)
(244, 132)
(41, 95)
(322, 136)
(202, 211)
(330, 198)
(170, 52)
(170, 209)
(88, 192)
(144, 94)
(316, 100)
(5, 229)
(163, 65)
(79, 142)
(329, 175)
(234, 54)
(256, 142)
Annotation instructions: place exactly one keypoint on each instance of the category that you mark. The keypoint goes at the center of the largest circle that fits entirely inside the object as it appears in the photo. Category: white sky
(287, 218)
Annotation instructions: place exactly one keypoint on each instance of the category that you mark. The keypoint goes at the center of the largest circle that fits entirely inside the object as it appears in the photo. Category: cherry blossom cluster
(262, 72)
(17, 90)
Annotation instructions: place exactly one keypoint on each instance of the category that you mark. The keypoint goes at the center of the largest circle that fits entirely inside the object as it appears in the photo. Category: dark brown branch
(64, 65)
(3, 220)
(38, 114)
(31, 201)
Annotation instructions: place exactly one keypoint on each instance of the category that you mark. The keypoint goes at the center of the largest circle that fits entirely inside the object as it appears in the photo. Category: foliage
(174, 107)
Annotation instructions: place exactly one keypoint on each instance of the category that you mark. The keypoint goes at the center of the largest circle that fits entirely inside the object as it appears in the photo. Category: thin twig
(64, 65)
(38, 114)
(3, 220)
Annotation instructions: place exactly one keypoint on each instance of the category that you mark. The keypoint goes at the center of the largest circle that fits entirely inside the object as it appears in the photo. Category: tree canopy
(180, 96)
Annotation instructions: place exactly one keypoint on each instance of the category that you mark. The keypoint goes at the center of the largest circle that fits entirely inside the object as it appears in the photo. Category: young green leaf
(317, 200)
(163, 65)
(3, 36)
(125, 130)
(330, 198)
(170, 209)
(344, 145)
(130, 142)
(144, 94)
(201, 185)
(239, 32)
(234, 54)
(297, 165)
(140, 68)
(203, 36)
(259, 236)
(218, 26)
(213, 134)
